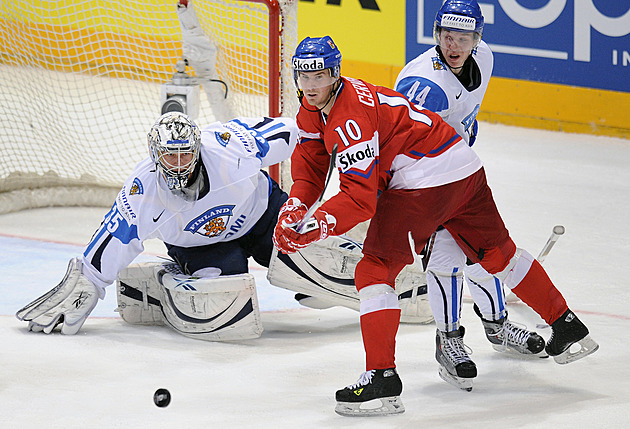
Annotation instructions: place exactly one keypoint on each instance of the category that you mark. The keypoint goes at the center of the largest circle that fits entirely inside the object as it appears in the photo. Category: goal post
(80, 86)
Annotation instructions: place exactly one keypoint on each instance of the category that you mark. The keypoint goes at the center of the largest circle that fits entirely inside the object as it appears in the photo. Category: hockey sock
(379, 330)
(538, 291)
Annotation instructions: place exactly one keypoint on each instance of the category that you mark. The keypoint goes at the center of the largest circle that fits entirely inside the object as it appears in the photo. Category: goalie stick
(558, 230)
(304, 225)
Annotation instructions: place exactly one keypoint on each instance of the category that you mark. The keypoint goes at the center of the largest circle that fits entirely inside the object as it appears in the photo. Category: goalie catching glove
(287, 239)
(69, 303)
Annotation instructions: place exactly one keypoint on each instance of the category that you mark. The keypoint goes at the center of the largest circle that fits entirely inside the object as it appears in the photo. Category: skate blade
(375, 407)
(459, 382)
(587, 346)
(516, 352)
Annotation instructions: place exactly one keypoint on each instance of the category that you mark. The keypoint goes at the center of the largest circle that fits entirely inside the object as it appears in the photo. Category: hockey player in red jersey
(409, 172)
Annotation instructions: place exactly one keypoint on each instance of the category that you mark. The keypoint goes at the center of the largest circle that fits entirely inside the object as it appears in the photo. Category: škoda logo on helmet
(308, 64)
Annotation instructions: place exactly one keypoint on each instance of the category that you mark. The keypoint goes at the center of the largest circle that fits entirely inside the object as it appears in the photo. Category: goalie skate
(377, 393)
(314, 302)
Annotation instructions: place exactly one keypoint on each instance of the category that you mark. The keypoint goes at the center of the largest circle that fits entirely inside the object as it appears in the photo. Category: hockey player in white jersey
(203, 194)
(451, 79)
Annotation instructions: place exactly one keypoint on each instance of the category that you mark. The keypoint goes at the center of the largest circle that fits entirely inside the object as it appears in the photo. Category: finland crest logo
(437, 63)
(222, 138)
(212, 223)
(136, 187)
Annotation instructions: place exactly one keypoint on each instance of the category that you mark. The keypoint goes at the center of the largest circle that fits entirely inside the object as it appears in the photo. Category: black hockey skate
(376, 393)
(566, 331)
(506, 335)
(456, 367)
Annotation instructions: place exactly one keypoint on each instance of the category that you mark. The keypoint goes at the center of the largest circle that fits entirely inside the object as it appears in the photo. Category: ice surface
(105, 376)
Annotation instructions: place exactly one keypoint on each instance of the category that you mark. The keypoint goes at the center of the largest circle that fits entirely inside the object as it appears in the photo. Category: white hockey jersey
(427, 82)
(233, 154)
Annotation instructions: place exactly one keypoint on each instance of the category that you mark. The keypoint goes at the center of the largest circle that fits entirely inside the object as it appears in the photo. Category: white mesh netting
(80, 87)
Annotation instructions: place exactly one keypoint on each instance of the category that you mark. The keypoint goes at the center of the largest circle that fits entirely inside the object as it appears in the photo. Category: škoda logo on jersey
(357, 159)
(308, 64)
(212, 223)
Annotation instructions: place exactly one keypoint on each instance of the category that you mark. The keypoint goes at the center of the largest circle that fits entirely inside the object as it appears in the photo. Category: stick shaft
(311, 210)
(558, 230)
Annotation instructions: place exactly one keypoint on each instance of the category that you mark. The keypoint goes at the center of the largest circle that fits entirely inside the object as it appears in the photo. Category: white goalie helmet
(174, 144)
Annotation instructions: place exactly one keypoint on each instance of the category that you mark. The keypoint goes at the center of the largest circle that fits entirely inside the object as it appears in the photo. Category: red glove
(287, 217)
(289, 208)
(288, 240)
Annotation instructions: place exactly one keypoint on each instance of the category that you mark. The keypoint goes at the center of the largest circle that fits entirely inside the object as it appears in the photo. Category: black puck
(162, 397)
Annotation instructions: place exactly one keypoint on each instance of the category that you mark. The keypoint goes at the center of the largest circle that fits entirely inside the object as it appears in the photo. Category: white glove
(69, 303)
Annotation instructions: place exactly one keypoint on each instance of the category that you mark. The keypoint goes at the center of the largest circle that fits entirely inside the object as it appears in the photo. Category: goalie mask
(174, 144)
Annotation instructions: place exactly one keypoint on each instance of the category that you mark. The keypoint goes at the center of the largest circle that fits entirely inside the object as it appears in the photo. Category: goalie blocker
(323, 275)
(224, 308)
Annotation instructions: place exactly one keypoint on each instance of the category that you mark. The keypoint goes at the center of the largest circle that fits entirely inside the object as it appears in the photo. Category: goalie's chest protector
(237, 198)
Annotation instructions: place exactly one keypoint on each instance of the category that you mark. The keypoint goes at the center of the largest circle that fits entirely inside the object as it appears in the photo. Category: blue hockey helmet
(314, 54)
(459, 15)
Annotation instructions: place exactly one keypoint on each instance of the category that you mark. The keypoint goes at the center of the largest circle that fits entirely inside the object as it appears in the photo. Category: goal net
(81, 85)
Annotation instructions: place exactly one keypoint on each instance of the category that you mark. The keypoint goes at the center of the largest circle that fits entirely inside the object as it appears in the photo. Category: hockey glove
(288, 240)
(69, 303)
(291, 206)
(287, 218)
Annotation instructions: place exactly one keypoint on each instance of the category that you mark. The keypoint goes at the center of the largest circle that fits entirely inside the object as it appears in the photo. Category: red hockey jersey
(383, 142)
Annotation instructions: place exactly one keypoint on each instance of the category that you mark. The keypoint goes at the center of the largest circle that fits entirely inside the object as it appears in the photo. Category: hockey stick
(558, 230)
(422, 259)
(304, 225)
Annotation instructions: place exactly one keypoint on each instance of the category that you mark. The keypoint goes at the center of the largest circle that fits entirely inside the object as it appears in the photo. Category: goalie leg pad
(411, 287)
(323, 276)
(211, 309)
(138, 294)
(322, 270)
